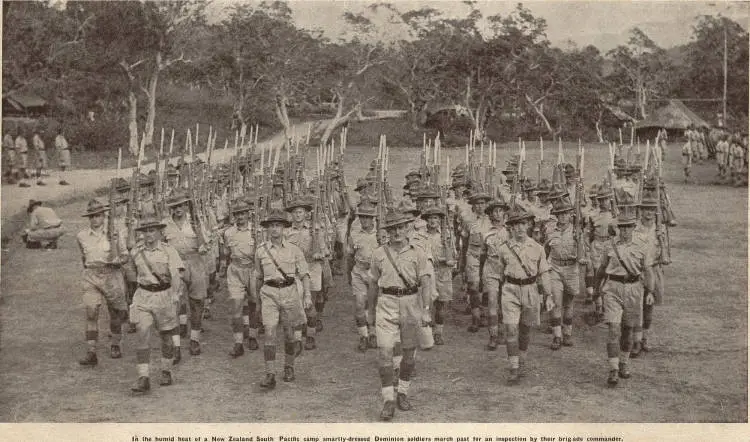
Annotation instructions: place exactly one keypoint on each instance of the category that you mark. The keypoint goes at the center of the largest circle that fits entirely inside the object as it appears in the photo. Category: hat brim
(426, 215)
(492, 207)
(626, 223)
(150, 225)
(268, 222)
(518, 220)
(177, 202)
(95, 212)
(477, 200)
(403, 220)
(307, 207)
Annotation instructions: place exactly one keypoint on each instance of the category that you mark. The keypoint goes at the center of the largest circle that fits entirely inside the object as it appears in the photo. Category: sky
(602, 23)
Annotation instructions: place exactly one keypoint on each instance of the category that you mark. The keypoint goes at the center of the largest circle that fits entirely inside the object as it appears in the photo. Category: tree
(141, 39)
(703, 77)
(641, 70)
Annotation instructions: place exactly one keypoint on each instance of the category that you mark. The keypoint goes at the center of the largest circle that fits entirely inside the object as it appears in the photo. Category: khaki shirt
(164, 260)
(182, 237)
(646, 238)
(531, 254)
(635, 255)
(302, 238)
(43, 218)
(241, 244)
(562, 244)
(61, 143)
(493, 242)
(363, 244)
(21, 145)
(477, 232)
(288, 256)
(95, 246)
(411, 261)
(603, 224)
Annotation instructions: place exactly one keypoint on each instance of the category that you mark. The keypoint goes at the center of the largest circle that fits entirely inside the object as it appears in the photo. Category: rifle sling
(622, 263)
(395, 267)
(523, 266)
(283, 273)
(149, 266)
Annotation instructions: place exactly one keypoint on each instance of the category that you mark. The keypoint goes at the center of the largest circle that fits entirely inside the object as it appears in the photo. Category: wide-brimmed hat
(649, 202)
(145, 180)
(627, 208)
(626, 219)
(604, 192)
(172, 171)
(366, 208)
(558, 192)
(177, 198)
(240, 205)
(95, 207)
(298, 202)
(122, 185)
(432, 211)
(543, 187)
(408, 208)
(528, 185)
(361, 184)
(494, 204)
(33, 203)
(149, 221)
(396, 218)
(413, 173)
(427, 193)
(561, 206)
(276, 216)
(593, 191)
(479, 197)
(517, 214)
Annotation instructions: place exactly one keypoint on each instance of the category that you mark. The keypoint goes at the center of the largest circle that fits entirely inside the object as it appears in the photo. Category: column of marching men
(157, 250)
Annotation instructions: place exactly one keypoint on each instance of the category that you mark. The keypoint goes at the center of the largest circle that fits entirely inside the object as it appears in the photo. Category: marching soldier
(360, 247)
(687, 161)
(400, 282)
(9, 157)
(495, 239)
(238, 257)
(41, 157)
(182, 235)
(102, 278)
(602, 229)
(277, 265)
(434, 247)
(474, 235)
(160, 270)
(314, 250)
(520, 265)
(22, 157)
(561, 247)
(627, 268)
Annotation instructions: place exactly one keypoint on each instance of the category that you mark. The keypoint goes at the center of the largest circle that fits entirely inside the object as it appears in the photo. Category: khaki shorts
(23, 160)
(197, 288)
(45, 234)
(104, 283)
(159, 307)
(444, 283)
(520, 304)
(282, 306)
(63, 158)
(398, 319)
(623, 303)
(360, 281)
(472, 270)
(41, 159)
(564, 283)
(238, 282)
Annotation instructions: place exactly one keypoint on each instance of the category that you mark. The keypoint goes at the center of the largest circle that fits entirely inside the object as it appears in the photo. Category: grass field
(697, 371)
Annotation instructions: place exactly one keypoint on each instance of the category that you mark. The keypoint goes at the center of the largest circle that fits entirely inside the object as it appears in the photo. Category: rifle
(158, 181)
(195, 216)
(665, 256)
(114, 250)
(133, 204)
(610, 172)
(580, 251)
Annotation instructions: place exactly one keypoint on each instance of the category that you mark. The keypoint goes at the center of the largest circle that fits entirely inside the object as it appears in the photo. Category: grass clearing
(697, 371)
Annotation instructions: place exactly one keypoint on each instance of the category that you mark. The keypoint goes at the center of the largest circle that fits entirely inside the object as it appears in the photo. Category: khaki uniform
(399, 310)
(44, 225)
(362, 244)
(22, 152)
(185, 240)
(623, 292)
(564, 275)
(302, 238)
(475, 235)
(100, 278)
(154, 302)
(241, 243)
(63, 151)
(520, 294)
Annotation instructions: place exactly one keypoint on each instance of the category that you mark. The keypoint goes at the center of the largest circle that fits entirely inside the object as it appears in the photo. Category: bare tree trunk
(148, 131)
(539, 109)
(132, 122)
(597, 125)
(282, 114)
(335, 121)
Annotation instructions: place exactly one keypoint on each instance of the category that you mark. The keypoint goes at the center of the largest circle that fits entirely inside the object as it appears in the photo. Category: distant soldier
(312, 241)
(22, 157)
(277, 265)
(63, 154)
(434, 246)
(521, 265)
(102, 278)
(496, 237)
(160, 271)
(602, 228)
(238, 258)
(561, 248)
(9, 157)
(474, 234)
(44, 226)
(722, 154)
(41, 157)
(400, 281)
(181, 234)
(625, 271)
(360, 247)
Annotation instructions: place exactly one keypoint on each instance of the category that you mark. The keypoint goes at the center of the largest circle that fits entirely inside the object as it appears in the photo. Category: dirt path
(696, 373)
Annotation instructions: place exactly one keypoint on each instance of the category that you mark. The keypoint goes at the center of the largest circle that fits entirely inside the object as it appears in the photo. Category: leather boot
(612, 379)
(624, 371)
(556, 343)
(90, 360)
(389, 409)
(403, 402)
(567, 341)
(269, 382)
(362, 344)
(195, 348)
(288, 374)
(438, 339)
(492, 344)
(474, 327)
(177, 356)
(142, 385)
(237, 351)
(636, 350)
(310, 343)
(166, 378)
(252, 344)
(318, 325)
(372, 341)
(515, 377)
(115, 352)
